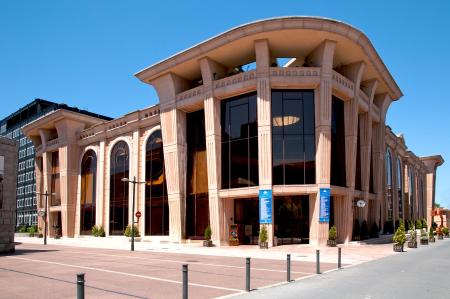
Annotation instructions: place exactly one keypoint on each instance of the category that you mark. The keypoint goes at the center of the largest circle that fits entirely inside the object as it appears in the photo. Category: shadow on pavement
(26, 251)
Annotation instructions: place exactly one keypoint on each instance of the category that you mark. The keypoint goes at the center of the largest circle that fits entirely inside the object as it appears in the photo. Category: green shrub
(411, 225)
(445, 230)
(423, 235)
(418, 224)
(424, 224)
(400, 235)
(332, 233)
(374, 231)
(208, 233)
(364, 231)
(94, 231)
(263, 234)
(22, 229)
(101, 231)
(431, 233)
(128, 231)
(32, 230)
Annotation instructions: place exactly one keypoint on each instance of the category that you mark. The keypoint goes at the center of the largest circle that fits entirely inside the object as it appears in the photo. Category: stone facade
(8, 176)
(329, 58)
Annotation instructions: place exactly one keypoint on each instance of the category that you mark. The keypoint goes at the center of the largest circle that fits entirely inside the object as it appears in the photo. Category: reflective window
(291, 219)
(389, 185)
(358, 185)
(88, 190)
(337, 143)
(55, 187)
(118, 204)
(293, 137)
(197, 201)
(411, 193)
(239, 142)
(156, 203)
(400, 188)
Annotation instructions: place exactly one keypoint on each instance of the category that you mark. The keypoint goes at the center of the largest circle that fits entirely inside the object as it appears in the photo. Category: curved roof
(292, 36)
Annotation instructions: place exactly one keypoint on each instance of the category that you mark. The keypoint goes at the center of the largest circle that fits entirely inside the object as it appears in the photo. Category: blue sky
(84, 53)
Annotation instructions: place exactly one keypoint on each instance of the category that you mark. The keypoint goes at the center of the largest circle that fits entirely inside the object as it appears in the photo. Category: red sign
(138, 214)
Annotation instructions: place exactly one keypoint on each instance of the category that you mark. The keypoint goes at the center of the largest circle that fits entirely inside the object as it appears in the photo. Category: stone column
(323, 57)
(264, 105)
(100, 198)
(213, 149)
(134, 166)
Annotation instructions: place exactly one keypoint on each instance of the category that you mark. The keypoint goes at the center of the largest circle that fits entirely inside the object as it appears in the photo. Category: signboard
(265, 206)
(324, 212)
(138, 214)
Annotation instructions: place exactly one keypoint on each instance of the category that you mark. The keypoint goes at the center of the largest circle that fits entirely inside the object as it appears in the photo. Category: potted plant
(412, 243)
(431, 235)
(207, 242)
(233, 241)
(399, 237)
(263, 244)
(32, 230)
(98, 231)
(418, 224)
(439, 233)
(445, 231)
(423, 237)
(128, 233)
(94, 231)
(332, 234)
(424, 224)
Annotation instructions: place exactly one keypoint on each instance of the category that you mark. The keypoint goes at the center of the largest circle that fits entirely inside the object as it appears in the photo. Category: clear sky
(84, 54)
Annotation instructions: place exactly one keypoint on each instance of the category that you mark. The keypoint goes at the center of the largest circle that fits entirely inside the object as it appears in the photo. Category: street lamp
(134, 182)
(44, 213)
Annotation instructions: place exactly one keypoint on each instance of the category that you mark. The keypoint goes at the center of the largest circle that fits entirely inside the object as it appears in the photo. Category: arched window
(400, 188)
(118, 203)
(411, 193)
(156, 204)
(88, 190)
(389, 185)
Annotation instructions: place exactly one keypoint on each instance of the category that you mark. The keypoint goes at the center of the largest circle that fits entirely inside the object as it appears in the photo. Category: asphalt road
(419, 273)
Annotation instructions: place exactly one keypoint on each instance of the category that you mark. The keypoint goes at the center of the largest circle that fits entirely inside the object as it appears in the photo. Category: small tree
(424, 224)
(431, 233)
(332, 233)
(445, 231)
(400, 235)
(208, 233)
(263, 234)
(423, 235)
(101, 231)
(418, 224)
(128, 231)
(94, 231)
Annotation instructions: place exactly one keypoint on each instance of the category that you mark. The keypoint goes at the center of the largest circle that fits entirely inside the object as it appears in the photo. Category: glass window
(400, 188)
(389, 185)
(118, 204)
(293, 137)
(55, 187)
(338, 176)
(239, 142)
(411, 193)
(156, 202)
(88, 192)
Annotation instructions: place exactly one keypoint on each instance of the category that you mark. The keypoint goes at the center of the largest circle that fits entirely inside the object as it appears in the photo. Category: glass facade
(291, 218)
(197, 201)
(400, 189)
(239, 142)
(156, 202)
(88, 192)
(411, 193)
(118, 200)
(338, 177)
(293, 137)
(246, 216)
(55, 186)
(389, 186)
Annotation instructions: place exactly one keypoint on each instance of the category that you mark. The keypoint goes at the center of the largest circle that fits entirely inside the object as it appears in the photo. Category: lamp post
(134, 182)
(44, 215)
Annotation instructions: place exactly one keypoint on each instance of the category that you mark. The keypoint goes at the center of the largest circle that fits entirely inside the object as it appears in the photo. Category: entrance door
(291, 219)
(246, 216)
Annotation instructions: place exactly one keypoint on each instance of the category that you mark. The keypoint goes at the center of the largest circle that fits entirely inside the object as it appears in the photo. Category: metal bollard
(185, 281)
(288, 268)
(339, 258)
(317, 261)
(80, 286)
(247, 274)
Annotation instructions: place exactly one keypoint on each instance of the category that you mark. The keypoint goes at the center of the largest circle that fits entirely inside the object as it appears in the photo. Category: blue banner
(324, 212)
(265, 206)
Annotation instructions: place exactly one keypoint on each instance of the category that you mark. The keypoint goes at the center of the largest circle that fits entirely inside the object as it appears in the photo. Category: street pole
(45, 219)
(132, 215)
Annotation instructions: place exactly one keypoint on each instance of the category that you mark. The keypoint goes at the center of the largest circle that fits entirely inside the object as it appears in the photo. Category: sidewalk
(352, 254)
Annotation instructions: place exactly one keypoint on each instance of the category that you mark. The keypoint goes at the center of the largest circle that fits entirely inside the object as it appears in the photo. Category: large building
(11, 127)
(279, 122)
(8, 174)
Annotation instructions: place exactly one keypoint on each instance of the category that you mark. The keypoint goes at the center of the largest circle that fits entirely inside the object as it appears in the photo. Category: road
(419, 273)
(38, 271)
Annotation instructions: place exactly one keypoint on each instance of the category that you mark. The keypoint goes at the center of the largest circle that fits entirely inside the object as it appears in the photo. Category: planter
(233, 242)
(440, 237)
(263, 245)
(331, 243)
(423, 241)
(412, 244)
(207, 243)
(432, 240)
(398, 247)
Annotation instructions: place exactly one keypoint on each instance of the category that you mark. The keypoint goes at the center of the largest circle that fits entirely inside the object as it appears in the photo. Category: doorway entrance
(246, 216)
(291, 216)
